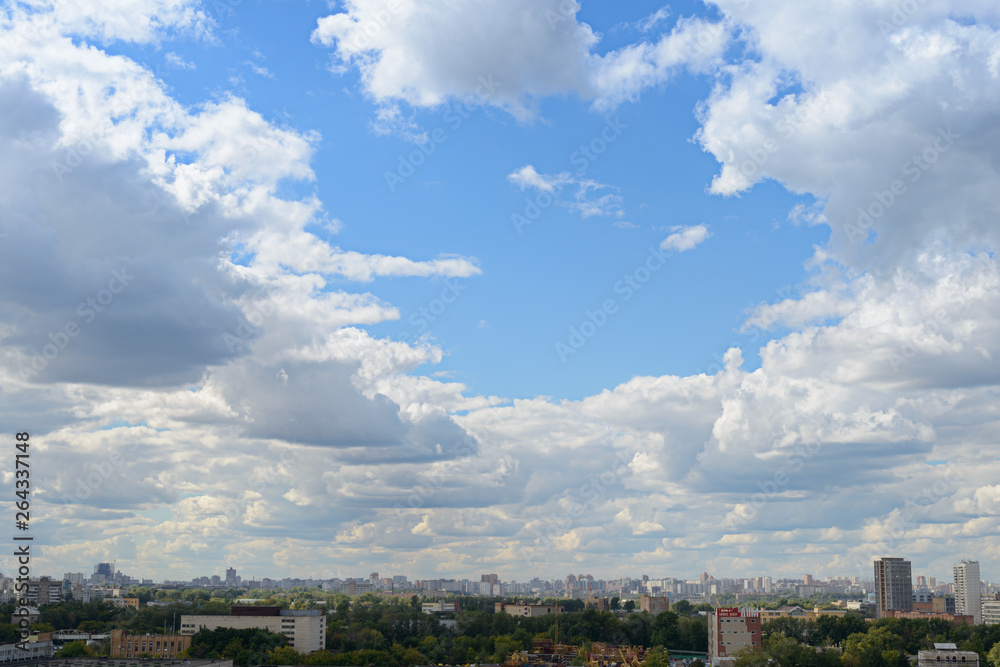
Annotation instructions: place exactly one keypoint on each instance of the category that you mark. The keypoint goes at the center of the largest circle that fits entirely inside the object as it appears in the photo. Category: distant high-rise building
(921, 580)
(931, 582)
(106, 569)
(893, 585)
(231, 576)
(491, 579)
(968, 595)
(807, 579)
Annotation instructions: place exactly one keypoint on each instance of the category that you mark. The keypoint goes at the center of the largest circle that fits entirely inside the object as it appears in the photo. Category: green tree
(9, 633)
(682, 608)
(657, 657)
(993, 657)
(666, 630)
(751, 657)
(615, 604)
(77, 649)
(503, 646)
(629, 605)
(285, 655)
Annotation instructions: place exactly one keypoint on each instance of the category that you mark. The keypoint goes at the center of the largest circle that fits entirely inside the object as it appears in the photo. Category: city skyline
(507, 286)
(233, 573)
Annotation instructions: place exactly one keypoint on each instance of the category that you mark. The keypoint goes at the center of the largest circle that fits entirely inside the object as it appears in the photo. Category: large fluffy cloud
(424, 53)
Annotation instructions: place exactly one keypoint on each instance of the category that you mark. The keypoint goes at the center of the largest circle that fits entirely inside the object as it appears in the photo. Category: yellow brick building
(124, 645)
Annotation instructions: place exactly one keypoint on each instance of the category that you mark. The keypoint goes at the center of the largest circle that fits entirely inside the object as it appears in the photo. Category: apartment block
(968, 594)
(730, 630)
(991, 612)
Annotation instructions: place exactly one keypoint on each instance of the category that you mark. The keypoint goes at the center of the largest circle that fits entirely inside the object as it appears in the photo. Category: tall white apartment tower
(968, 596)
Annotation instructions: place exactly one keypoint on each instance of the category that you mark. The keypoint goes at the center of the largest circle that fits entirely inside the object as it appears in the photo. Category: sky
(444, 287)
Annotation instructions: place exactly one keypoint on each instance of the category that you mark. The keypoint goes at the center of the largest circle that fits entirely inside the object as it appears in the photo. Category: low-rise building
(441, 607)
(124, 645)
(953, 618)
(600, 604)
(526, 610)
(125, 603)
(305, 629)
(29, 614)
(795, 611)
(31, 651)
(947, 655)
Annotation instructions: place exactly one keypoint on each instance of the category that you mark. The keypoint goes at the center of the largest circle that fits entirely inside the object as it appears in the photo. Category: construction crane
(557, 621)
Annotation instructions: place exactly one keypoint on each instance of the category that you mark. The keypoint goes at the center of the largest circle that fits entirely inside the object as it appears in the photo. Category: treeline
(851, 641)
(100, 617)
(375, 630)
(394, 631)
(244, 647)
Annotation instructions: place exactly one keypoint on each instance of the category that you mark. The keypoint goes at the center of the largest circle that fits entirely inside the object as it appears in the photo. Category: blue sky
(540, 280)
(342, 296)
